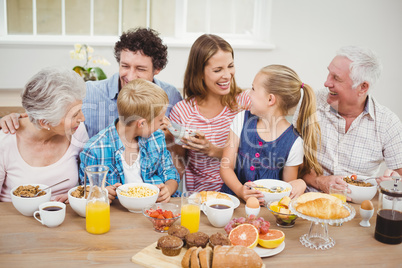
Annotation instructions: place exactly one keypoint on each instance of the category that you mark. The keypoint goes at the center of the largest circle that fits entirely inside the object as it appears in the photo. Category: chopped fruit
(154, 214)
(285, 201)
(272, 239)
(160, 217)
(168, 214)
(284, 211)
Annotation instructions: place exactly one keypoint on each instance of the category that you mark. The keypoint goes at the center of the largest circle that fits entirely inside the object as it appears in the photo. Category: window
(241, 22)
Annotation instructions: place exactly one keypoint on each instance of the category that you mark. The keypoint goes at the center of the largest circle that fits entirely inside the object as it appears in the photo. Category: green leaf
(98, 72)
(79, 70)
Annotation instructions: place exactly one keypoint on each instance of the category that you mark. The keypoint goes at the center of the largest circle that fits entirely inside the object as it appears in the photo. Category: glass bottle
(388, 227)
(98, 208)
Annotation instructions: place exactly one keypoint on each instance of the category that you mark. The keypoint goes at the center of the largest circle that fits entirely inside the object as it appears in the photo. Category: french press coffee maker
(388, 227)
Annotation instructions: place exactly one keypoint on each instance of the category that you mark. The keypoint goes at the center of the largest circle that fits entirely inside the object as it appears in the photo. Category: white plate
(266, 252)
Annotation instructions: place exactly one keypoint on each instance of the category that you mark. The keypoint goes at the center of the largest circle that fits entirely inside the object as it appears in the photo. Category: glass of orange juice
(338, 190)
(190, 210)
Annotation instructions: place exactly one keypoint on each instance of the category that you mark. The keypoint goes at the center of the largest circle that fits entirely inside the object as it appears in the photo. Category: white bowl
(360, 193)
(179, 131)
(77, 204)
(269, 183)
(136, 204)
(28, 205)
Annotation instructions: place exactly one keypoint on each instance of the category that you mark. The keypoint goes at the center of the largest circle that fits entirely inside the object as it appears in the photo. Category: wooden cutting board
(152, 257)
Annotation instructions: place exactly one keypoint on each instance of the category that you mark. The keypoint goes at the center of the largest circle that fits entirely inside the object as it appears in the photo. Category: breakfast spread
(320, 205)
(28, 191)
(207, 195)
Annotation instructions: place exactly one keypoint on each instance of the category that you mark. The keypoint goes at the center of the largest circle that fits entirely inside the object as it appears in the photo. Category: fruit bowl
(162, 215)
(282, 219)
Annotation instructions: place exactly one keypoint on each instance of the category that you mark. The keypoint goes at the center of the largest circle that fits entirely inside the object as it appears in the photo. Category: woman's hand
(62, 198)
(112, 192)
(164, 194)
(298, 188)
(247, 192)
(201, 144)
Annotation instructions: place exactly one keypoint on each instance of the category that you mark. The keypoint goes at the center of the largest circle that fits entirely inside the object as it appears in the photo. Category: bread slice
(235, 256)
(205, 257)
(194, 259)
(185, 262)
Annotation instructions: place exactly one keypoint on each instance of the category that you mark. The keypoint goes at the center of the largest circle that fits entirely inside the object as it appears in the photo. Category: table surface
(24, 242)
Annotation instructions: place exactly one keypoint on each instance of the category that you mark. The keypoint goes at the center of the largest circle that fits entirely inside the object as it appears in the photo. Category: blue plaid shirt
(100, 103)
(106, 148)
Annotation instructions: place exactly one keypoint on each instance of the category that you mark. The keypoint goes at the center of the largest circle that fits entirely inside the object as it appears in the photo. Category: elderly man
(358, 133)
(140, 54)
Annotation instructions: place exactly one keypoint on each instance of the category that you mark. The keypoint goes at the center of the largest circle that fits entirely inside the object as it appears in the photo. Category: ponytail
(309, 129)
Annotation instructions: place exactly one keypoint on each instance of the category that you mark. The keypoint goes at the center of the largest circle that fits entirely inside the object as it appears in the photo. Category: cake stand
(318, 237)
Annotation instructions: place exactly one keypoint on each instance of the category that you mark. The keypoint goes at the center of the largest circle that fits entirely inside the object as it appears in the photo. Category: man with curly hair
(140, 54)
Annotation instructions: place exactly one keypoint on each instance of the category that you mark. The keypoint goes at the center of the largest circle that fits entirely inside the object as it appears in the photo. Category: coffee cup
(218, 211)
(51, 214)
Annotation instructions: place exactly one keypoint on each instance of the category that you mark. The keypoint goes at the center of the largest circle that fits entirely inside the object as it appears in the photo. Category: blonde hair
(284, 83)
(140, 99)
(201, 51)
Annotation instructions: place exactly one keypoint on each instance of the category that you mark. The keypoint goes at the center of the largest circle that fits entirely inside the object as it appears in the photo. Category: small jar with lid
(388, 227)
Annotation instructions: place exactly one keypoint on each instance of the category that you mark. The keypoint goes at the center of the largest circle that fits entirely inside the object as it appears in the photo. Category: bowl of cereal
(282, 189)
(136, 196)
(23, 198)
(361, 188)
(162, 215)
(77, 200)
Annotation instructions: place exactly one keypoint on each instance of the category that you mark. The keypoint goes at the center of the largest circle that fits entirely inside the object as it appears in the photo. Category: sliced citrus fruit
(244, 235)
(272, 239)
(285, 201)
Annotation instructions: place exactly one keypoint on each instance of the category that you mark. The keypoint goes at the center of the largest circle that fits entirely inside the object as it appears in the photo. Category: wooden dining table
(25, 242)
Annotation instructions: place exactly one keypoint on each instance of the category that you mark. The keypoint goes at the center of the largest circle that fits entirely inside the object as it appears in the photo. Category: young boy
(133, 147)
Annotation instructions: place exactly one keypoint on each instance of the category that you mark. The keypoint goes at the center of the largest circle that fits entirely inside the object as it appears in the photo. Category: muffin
(170, 245)
(198, 239)
(219, 239)
(178, 231)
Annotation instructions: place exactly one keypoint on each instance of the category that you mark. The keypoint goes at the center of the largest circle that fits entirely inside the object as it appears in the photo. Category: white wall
(306, 35)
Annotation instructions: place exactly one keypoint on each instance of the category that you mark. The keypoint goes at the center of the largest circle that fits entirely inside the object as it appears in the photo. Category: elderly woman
(45, 148)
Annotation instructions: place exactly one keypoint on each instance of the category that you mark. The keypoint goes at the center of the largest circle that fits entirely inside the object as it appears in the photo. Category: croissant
(207, 195)
(323, 208)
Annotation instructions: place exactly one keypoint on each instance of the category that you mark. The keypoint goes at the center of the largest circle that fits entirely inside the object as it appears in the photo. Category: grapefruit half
(272, 239)
(244, 235)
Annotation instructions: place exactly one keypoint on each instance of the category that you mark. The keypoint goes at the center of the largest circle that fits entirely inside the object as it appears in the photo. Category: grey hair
(49, 93)
(365, 66)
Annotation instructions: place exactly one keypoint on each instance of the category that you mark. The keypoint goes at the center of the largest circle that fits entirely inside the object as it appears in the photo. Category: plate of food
(207, 195)
(268, 252)
(179, 131)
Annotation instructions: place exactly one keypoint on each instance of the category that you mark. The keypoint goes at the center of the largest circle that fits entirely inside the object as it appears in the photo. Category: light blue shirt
(100, 104)
(106, 148)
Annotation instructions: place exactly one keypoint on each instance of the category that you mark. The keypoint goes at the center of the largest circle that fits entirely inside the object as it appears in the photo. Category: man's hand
(9, 123)
(325, 181)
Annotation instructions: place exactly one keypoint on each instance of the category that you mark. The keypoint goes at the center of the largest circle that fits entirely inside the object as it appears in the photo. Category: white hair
(365, 65)
(49, 93)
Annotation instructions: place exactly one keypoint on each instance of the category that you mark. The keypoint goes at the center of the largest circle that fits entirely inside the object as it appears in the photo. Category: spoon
(48, 187)
(272, 189)
(121, 190)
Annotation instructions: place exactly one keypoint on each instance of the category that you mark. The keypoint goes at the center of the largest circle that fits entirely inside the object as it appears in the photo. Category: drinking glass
(340, 191)
(190, 210)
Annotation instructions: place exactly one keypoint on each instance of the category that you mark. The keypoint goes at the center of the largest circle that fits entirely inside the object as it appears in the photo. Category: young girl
(262, 144)
(212, 101)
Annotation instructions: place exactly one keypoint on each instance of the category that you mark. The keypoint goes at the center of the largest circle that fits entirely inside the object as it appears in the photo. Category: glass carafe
(388, 227)
(98, 208)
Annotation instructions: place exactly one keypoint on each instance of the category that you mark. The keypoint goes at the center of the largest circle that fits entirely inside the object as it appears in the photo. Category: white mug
(52, 214)
(218, 211)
